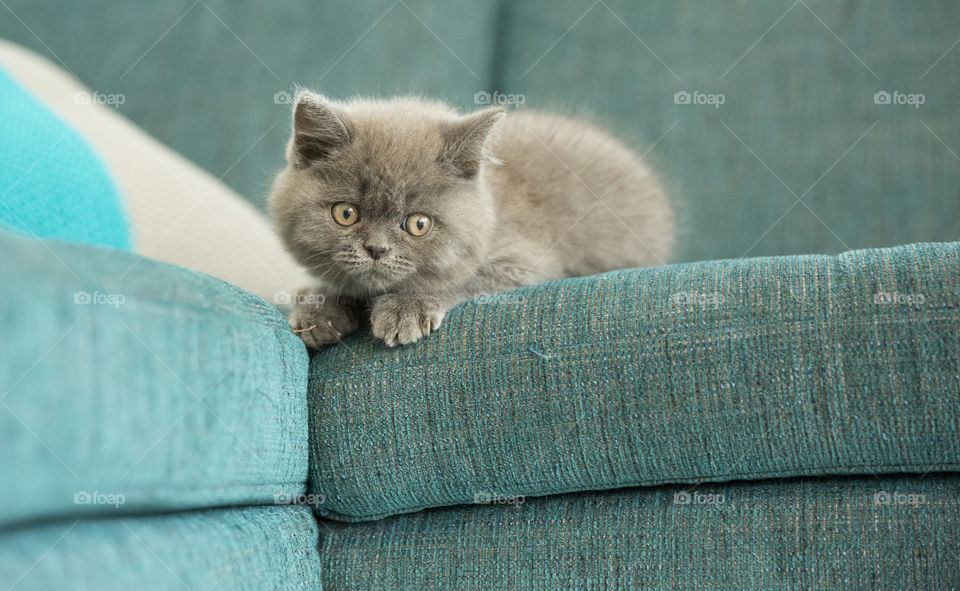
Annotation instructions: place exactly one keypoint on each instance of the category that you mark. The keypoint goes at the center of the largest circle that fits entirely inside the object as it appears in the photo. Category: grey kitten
(403, 208)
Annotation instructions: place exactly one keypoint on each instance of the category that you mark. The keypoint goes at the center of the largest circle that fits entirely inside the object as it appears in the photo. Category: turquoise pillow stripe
(126, 377)
(838, 533)
(738, 369)
(52, 184)
(244, 549)
(176, 91)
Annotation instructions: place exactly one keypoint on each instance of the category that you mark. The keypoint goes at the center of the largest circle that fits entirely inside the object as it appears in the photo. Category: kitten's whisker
(313, 256)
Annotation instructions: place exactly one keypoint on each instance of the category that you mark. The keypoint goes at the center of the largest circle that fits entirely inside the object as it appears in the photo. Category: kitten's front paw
(400, 320)
(322, 322)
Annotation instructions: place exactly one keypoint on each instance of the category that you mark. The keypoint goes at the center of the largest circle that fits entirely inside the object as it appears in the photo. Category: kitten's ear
(319, 129)
(466, 141)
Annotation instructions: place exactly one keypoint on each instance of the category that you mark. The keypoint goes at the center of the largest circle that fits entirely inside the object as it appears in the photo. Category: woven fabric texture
(122, 376)
(739, 369)
(800, 115)
(798, 81)
(244, 549)
(52, 184)
(837, 533)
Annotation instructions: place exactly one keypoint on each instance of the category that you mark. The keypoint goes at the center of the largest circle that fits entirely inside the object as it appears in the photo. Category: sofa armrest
(129, 385)
(737, 369)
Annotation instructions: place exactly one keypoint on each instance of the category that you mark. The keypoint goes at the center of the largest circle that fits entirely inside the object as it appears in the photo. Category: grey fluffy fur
(515, 199)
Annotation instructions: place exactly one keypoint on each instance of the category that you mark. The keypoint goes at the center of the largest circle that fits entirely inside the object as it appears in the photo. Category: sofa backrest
(770, 121)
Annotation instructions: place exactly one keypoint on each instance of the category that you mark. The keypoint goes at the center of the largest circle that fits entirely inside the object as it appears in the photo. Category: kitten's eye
(417, 224)
(345, 214)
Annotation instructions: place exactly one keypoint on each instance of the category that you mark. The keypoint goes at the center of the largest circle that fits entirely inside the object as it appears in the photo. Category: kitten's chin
(374, 279)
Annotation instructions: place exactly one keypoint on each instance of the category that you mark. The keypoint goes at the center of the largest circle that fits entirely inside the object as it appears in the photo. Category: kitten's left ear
(466, 141)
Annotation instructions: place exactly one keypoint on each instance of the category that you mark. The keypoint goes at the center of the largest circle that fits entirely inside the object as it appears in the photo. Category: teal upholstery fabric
(191, 392)
(838, 533)
(52, 184)
(798, 79)
(207, 86)
(125, 377)
(740, 369)
(253, 548)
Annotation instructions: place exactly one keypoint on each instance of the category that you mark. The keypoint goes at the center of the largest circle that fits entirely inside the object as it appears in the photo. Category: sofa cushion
(52, 184)
(798, 117)
(837, 533)
(179, 65)
(739, 369)
(253, 548)
(178, 212)
(129, 385)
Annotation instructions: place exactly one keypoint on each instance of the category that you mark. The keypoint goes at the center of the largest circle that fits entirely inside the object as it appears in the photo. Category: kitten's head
(379, 193)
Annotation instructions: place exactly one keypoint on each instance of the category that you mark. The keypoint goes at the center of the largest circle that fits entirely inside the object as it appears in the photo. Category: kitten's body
(517, 201)
(576, 201)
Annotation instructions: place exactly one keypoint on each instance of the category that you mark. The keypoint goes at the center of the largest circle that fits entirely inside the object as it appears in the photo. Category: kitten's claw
(399, 320)
(321, 324)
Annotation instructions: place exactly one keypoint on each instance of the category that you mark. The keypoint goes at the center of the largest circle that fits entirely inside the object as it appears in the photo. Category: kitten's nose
(376, 251)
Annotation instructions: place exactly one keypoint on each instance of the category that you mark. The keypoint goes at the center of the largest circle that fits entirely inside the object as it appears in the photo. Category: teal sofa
(779, 408)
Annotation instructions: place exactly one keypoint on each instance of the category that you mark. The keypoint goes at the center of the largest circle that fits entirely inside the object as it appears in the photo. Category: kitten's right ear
(319, 129)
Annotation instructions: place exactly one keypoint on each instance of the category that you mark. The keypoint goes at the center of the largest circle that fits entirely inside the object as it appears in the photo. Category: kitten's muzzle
(376, 252)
